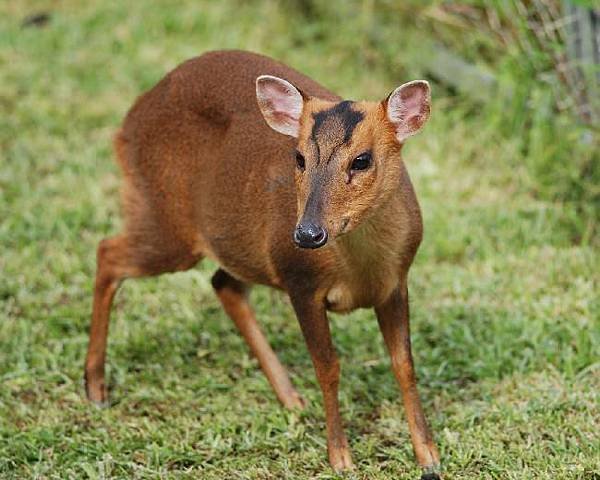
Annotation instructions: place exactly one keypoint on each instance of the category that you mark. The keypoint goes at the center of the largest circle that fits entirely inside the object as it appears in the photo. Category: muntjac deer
(319, 205)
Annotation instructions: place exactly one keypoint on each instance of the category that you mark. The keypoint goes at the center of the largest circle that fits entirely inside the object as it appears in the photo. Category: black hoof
(430, 476)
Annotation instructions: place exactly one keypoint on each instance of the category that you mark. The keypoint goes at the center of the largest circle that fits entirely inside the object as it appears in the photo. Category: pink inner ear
(281, 104)
(282, 101)
(408, 109)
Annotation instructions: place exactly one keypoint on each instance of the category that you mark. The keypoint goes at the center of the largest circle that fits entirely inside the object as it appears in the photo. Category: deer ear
(280, 103)
(408, 108)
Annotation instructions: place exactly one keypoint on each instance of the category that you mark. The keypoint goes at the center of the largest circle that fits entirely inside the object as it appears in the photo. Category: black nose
(310, 235)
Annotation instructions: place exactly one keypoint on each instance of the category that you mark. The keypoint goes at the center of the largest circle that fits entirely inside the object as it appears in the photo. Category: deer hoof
(430, 476)
(294, 401)
(340, 458)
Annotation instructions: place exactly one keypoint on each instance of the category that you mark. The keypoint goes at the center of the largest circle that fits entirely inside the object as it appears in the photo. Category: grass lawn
(506, 305)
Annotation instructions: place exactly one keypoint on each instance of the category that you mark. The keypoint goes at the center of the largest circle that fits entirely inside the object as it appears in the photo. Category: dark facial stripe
(343, 113)
(314, 202)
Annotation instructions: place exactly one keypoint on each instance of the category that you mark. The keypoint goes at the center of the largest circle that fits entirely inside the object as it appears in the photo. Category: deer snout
(310, 235)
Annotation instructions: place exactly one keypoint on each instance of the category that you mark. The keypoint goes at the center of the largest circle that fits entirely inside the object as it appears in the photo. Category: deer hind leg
(233, 295)
(119, 258)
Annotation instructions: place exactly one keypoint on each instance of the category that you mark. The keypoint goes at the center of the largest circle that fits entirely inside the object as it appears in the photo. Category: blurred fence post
(583, 48)
(449, 68)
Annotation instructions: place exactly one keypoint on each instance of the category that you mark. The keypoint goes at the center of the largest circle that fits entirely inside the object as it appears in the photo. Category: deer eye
(300, 163)
(362, 162)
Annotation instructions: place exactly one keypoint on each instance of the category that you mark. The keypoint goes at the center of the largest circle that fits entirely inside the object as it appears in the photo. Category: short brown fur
(204, 176)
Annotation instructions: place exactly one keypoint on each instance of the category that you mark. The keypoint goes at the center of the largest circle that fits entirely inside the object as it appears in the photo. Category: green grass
(505, 293)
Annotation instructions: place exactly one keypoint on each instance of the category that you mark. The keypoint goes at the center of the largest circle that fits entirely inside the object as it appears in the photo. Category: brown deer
(319, 205)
